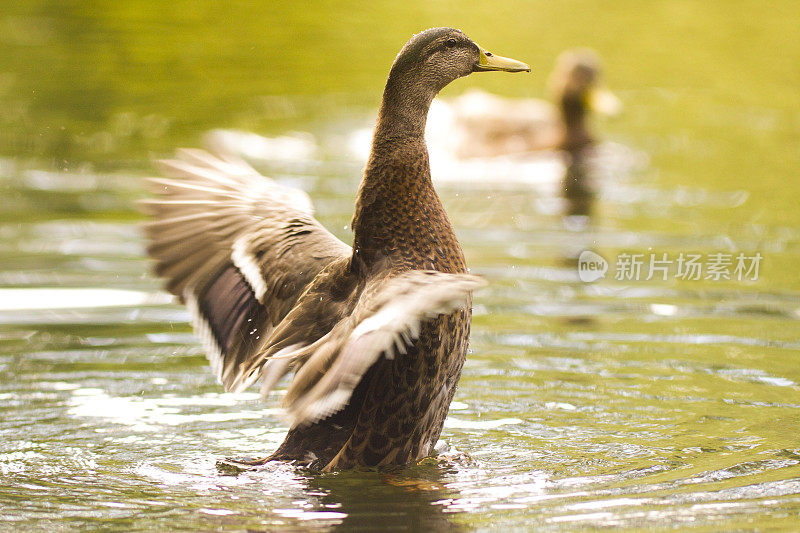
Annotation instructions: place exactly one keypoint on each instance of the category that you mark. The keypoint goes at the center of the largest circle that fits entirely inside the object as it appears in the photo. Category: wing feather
(239, 249)
(387, 318)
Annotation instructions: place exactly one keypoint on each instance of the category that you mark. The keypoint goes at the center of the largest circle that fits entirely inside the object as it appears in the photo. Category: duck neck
(399, 217)
(404, 107)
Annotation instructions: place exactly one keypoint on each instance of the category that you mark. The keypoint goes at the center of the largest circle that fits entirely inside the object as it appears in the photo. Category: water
(618, 403)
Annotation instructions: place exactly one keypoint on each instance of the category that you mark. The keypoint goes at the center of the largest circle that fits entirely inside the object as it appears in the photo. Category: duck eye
(450, 43)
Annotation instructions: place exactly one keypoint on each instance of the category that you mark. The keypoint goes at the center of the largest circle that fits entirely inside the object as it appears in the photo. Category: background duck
(377, 333)
(481, 124)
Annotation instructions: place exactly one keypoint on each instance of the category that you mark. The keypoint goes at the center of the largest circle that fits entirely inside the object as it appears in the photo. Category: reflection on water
(411, 499)
(577, 187)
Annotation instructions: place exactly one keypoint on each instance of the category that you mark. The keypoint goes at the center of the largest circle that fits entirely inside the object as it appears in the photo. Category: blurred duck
(376, 333)
(481, 125)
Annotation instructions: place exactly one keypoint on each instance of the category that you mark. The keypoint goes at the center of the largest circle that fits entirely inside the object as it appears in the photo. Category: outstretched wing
(238, 249)
(385, 321)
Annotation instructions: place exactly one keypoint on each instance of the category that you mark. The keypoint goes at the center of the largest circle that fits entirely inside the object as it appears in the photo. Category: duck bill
(489, 62)
(604, 102)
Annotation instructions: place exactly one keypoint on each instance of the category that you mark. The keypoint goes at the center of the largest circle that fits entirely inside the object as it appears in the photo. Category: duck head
(427, 63)
(438, 56)
(576, 81)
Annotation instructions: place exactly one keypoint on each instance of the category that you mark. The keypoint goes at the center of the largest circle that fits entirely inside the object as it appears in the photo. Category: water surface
(619, 403)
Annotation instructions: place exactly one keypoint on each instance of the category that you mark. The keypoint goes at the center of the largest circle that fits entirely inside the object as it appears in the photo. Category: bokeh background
(658, 405)
(709, 86)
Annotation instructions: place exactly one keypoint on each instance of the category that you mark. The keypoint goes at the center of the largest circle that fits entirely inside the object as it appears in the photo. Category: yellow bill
(489, 62)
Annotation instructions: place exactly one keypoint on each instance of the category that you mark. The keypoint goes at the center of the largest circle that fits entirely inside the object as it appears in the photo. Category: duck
(479, 124)
(485, 141)
(375, 333)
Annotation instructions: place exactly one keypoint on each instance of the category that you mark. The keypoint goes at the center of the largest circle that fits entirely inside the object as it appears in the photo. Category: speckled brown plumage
(376, 334)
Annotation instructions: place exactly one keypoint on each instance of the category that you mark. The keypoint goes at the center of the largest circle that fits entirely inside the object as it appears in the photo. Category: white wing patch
(247, 264)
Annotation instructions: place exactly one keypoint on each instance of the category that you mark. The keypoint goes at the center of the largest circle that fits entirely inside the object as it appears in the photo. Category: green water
(619, 404)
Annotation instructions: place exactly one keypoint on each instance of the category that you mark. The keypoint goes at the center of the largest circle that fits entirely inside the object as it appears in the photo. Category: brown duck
(487, 125)
(376, 334)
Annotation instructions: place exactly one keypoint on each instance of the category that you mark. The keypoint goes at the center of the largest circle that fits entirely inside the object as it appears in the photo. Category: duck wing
(238, 248)
(386, 319)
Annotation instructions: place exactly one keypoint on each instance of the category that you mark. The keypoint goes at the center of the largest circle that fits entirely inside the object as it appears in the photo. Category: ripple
(611, 405)
(152, 414)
